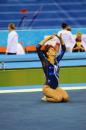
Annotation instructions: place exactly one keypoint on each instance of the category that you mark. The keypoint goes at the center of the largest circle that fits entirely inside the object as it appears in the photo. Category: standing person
(67, 37)
(12, 40)
(52, 40)
(20, 49)
(50, 62)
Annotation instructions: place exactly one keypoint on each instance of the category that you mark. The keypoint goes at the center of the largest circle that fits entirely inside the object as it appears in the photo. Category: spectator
(67, 37)
(84, 41)
(12, 40)
(69, 28)
(78, 47)
(20, 49)
(52, 40)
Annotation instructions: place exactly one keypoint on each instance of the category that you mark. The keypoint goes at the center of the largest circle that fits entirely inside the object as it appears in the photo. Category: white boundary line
(21, 90)
(39, 89)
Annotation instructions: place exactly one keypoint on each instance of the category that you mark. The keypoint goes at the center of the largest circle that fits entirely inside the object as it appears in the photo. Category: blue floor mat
(25, 111)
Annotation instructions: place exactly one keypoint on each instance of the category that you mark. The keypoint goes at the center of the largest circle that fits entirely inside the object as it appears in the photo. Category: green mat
(21, 77)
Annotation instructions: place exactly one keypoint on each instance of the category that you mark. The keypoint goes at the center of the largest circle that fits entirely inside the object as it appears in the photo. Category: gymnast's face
(51, 52)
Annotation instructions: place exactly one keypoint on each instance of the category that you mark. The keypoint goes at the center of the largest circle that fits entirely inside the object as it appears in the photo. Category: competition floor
(22, 109)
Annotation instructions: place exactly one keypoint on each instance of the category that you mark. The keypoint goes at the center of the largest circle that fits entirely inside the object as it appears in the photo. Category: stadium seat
(2, 50)
(45, 14)
(29, 49)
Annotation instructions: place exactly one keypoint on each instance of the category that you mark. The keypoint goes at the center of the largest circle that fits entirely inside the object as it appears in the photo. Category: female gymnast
(50, 62)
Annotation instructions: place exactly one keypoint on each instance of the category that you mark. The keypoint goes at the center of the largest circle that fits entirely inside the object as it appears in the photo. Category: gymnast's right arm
(40, 51)
(39, 46)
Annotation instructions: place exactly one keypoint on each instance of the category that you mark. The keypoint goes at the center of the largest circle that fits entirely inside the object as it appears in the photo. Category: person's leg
(11, 53)
(45, 98)
(64, 94)
(51, 94)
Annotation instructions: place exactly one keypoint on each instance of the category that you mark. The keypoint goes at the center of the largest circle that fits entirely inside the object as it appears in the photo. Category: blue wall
(31, 37)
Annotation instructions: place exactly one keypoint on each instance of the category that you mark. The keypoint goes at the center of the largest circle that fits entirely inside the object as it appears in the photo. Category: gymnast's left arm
(63, 49)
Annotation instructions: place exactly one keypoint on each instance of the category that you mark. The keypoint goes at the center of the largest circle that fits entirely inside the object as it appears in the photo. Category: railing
(32, 61)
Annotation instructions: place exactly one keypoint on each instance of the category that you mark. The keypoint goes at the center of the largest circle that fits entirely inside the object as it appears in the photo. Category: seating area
(34, 15)
(28, 49)
(42, 14)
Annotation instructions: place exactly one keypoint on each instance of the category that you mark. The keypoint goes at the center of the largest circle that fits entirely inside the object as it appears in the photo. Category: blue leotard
(51, 71)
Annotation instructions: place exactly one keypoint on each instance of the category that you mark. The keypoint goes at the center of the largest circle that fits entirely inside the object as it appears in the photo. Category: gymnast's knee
(58, 98)
(66, 98)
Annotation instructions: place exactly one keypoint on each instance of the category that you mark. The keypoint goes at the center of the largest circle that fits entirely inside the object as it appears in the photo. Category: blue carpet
(40, 86)
(25, 111)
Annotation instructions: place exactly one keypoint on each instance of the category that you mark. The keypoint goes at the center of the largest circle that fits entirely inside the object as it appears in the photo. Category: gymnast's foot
(44, 98)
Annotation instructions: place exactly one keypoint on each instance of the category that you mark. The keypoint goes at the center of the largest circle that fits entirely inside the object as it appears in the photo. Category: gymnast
(50, 62)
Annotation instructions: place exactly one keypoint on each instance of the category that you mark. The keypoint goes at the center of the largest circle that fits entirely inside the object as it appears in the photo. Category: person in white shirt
(84, 41)
(12, 40)
(20, 49)
(52, 40)
(67, 37)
